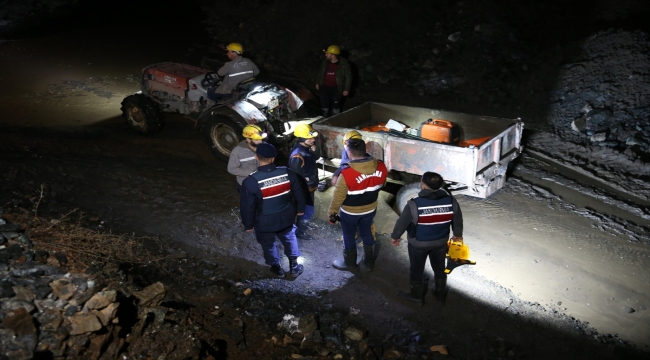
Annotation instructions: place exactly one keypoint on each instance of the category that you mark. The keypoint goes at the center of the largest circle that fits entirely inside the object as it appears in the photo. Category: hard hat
(333, 49)
(304, 131)
(253, 132)
(458, 250)
(236, 47)
(351, 135)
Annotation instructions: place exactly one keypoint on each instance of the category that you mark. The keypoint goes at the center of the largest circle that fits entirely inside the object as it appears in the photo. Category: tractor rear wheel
(142, 114)
(222, 135)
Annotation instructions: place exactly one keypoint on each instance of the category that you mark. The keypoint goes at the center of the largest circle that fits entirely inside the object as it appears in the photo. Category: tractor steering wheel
(210, 80)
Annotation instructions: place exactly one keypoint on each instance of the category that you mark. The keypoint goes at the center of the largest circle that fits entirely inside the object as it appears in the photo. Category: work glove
(334, 218)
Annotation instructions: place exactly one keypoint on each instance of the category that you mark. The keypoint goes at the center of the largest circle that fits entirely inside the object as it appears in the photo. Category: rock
(63, 289)
(599, 119)
(50, 319)
(101, 299)
(440, 348)
(23, 293)
(307, 324)
(52, 261)
(26, 272)
(107, 314)
(9, 227)
(15, 304)
(579, 124)
(84, 323)
(151, 296)
(96, 344)
(354, 333)
(454, 37)
(61, 258)
(45, 304)
(71, 310)
(392, 354)
(311, 340)
(631, 141)
(6, 289)
(598, 137)
(628, 310)
(289, 323)
(19, 322)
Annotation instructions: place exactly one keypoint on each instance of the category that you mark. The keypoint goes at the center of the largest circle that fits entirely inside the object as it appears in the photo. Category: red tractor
(182, 88)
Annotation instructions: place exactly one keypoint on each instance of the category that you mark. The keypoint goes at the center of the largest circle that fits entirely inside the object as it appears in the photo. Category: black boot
(295, 269)
(369, 257)
(441, 290)
(277, 270)
(301, 232)
(418, 290)
(349, 262)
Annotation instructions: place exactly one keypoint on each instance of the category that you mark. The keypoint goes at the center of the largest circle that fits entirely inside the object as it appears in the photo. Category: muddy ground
(561, 255)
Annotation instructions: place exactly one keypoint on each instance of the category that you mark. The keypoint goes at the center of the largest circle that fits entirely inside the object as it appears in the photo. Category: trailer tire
(142, 114)
(222, 135)
(406, 193)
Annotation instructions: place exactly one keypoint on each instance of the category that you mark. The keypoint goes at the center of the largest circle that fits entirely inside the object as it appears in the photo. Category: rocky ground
(576, 72)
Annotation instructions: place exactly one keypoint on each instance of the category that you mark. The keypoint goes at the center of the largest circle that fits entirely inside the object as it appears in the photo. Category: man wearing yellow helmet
(427, 219)
(242, 160)
(344, 154)
(233, 72)
(302, 161)
(333, 80)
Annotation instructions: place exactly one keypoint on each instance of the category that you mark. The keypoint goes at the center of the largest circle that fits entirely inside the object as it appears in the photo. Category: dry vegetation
(83, 246)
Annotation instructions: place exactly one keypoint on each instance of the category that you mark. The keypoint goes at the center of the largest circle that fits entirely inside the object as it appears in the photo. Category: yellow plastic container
(458, 250)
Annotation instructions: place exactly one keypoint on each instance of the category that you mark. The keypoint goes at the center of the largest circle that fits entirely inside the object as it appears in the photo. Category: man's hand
(395, 242)
(250, 230)
(334, 218)
(317, 87)
(457, 238)
(345, 93)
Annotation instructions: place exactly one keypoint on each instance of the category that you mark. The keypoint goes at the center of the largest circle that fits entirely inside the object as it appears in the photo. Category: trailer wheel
(142, 114)
(406, 193)
(222, 135)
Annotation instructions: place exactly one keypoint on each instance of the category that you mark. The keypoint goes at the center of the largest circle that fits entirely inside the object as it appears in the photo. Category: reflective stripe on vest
(363, 189)
(276, 190)
(434, 218)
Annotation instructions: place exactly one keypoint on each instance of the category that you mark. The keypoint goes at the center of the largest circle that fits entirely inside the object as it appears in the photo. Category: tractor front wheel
(142, 114)
(222, 135)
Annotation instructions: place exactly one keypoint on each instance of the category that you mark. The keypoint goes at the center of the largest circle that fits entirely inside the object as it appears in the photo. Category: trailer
(476, 166)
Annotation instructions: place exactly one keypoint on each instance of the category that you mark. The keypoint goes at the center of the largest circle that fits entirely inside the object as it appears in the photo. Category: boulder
(151, 296)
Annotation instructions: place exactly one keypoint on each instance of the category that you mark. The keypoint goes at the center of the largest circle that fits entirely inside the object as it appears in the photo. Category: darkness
(88, 14)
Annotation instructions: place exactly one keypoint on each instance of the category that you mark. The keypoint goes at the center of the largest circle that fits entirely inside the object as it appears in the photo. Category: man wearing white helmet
(333, 80)
(242, 160)
(233, 72)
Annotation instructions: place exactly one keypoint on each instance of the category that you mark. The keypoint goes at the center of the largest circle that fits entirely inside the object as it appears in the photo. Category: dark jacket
(343, 75)
(303, 161)
(251, 202)
(406, 220)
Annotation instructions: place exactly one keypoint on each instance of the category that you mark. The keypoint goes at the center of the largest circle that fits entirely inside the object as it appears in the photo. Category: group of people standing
(278, 201)
(333, 79)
